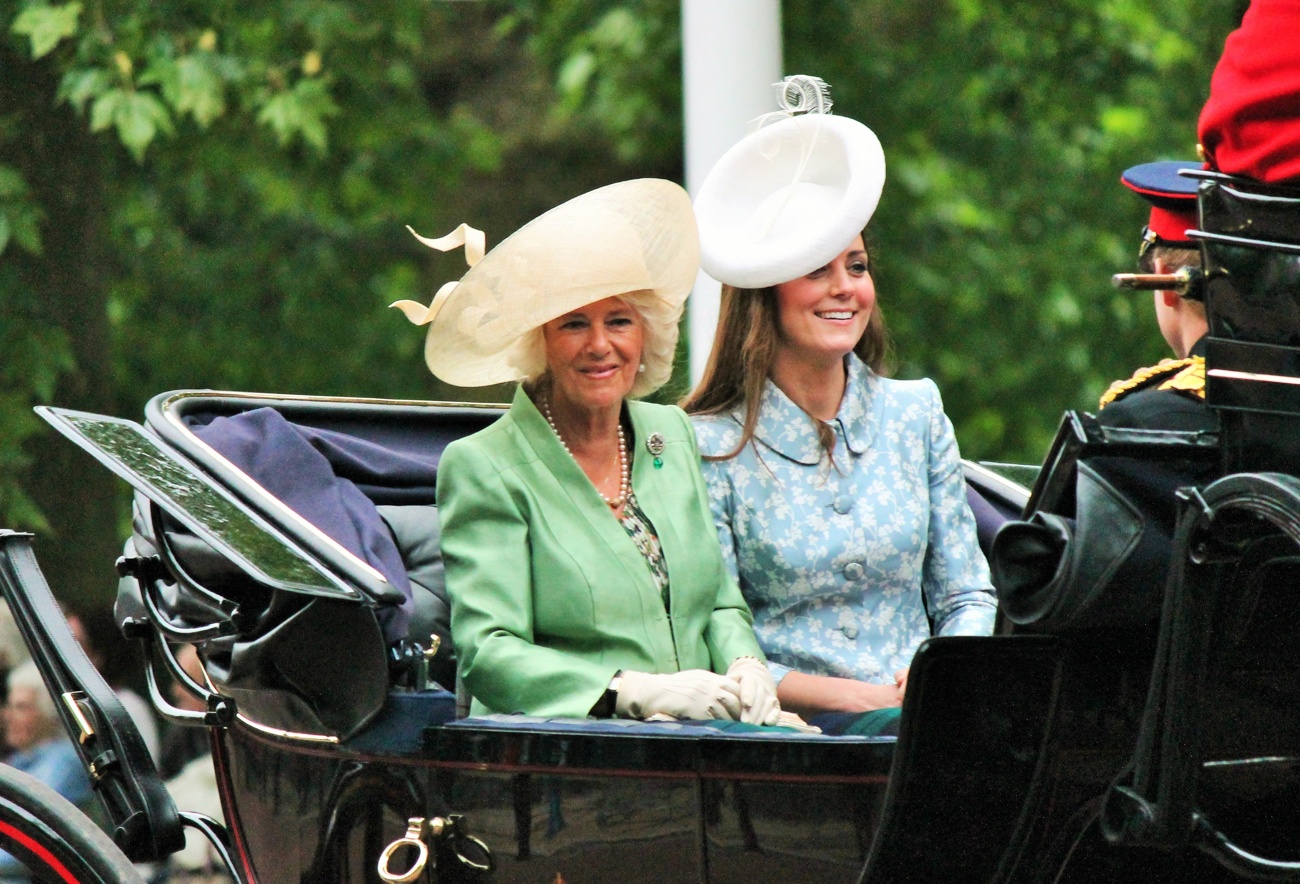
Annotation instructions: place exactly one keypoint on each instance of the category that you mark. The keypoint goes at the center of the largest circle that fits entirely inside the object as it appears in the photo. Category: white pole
(731, 56)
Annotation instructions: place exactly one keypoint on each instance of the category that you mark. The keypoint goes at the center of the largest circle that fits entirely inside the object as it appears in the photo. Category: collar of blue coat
(787, 429)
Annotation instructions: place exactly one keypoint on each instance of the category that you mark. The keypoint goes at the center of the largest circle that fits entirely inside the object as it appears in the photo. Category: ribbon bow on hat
(475, 244)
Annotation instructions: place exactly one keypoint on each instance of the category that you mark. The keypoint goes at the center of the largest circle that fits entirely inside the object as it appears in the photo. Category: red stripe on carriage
(50, 860)
(233, 823)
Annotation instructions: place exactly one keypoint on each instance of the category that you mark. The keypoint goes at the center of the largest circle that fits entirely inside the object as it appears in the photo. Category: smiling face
(593, 354)
(821, 316)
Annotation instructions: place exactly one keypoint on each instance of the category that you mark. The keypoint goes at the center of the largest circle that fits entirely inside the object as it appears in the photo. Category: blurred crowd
(32, 738)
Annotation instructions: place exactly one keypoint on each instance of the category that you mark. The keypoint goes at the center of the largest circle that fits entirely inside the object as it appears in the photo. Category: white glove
(692, 693)
(758, 703)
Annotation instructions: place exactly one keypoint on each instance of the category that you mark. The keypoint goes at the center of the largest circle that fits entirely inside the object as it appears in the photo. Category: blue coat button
(850, 631)
(853, 571)
(843, 504)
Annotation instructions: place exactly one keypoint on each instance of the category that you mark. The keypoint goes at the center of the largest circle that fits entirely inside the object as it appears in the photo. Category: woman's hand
(758, 703)
(808, 695)
(692, 693)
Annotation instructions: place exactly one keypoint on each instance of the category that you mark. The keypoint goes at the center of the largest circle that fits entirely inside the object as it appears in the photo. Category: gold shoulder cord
(1145, 377)
(1190, 380)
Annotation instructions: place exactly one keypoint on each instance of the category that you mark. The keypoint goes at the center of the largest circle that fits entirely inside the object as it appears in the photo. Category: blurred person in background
(13, 652)
(40, 747)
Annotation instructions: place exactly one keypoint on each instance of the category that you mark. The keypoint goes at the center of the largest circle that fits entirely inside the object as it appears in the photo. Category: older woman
(580, 555)
(837, 493)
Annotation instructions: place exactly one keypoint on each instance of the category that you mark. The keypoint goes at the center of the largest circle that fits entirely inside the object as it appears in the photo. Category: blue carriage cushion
(632, 727)
(398, 729)
(417, 531)
(402, 727)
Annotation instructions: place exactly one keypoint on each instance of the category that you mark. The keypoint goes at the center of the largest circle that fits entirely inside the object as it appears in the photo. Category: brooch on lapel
(654, 444)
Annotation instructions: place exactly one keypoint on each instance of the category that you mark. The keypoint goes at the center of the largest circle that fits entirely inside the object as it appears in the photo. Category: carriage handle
(414, 829)
(438, 827)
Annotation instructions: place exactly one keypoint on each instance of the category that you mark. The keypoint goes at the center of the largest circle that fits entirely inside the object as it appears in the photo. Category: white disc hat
(789, 197)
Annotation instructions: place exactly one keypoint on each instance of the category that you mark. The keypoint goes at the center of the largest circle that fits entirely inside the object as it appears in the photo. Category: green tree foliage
(213, 194)
(1006, 126)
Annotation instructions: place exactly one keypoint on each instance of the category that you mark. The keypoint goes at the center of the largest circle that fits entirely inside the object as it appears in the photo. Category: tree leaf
(192, 84)
(316, 104)
(162, 73)
(11, 183)
(104, 109)
(4, 232)
(139, 117)
(45, 26)
(200, 88)
(282, 114)
(574, 74)
(300, 111)
(27, 229)
(79, 85)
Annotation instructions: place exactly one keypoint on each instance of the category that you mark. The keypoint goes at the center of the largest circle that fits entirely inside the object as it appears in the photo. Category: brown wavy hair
(744, 348)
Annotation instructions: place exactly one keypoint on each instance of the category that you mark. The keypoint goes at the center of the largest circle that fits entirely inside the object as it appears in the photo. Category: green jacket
(549, 595)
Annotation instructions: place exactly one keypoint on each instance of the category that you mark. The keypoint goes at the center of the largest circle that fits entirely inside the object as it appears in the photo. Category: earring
(641, 370)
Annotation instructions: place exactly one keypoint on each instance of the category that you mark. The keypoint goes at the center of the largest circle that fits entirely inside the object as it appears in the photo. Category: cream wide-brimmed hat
(634, 236)
(790, 196)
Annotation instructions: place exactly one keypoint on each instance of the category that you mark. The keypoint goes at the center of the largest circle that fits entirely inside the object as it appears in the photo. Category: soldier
(1056, 556)
(1171, 394)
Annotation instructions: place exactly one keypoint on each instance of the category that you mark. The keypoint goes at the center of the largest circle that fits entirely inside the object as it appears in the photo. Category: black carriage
(1119, 727)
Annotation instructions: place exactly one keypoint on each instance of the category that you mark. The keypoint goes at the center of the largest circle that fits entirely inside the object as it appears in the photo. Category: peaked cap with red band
(1172, 198)
(1251, 124)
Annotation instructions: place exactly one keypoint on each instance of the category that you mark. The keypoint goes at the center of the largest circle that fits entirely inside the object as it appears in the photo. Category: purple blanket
(316, 473)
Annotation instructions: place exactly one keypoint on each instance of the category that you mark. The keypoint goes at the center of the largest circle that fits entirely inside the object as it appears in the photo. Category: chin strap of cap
(475, 244)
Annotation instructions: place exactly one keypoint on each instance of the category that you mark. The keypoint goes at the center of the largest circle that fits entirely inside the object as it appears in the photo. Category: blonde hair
(659, 321)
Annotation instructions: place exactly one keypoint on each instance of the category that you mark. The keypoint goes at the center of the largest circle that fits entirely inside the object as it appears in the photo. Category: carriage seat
(417, 531)
(1093, 546)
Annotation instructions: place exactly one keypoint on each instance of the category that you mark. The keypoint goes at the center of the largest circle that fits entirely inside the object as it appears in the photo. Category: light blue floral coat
(840, 562)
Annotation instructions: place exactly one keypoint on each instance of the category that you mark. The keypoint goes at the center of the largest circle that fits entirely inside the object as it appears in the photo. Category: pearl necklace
(624, 485)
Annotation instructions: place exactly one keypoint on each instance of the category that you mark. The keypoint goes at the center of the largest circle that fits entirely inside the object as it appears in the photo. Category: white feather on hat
(788, 197)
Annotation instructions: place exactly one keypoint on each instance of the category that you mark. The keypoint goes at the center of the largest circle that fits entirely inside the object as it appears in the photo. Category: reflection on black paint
(127, 443)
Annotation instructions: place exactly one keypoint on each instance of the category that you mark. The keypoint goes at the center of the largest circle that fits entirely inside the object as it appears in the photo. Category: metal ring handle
(415, 827)
(465, 860)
